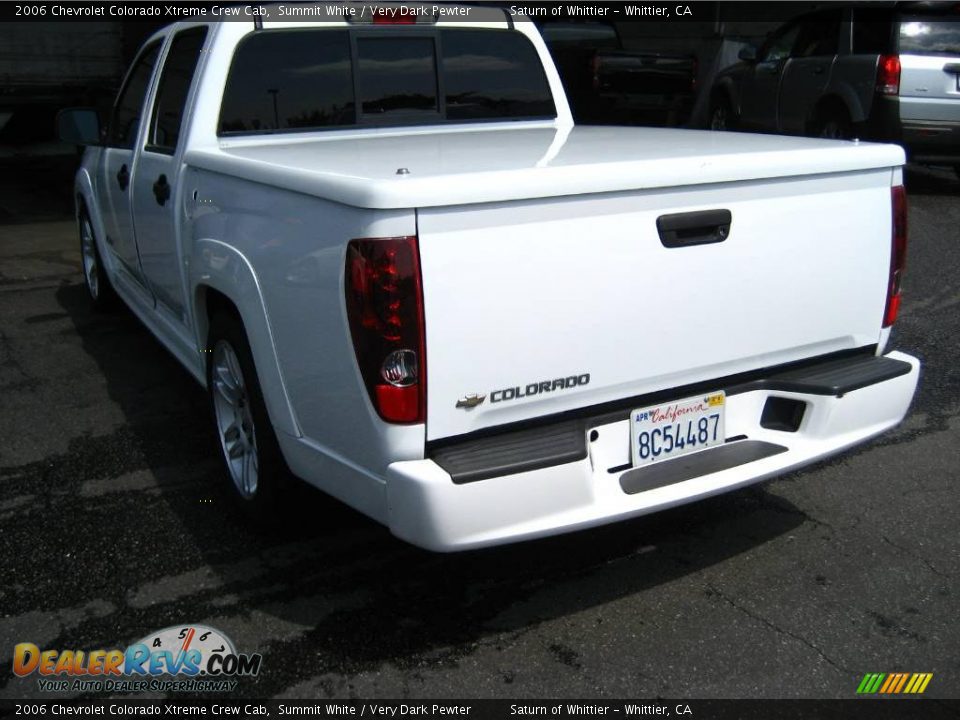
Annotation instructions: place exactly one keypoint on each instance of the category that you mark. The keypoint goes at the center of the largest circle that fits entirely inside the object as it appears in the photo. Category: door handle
(161, 190)
(694, 228)
(123, 176)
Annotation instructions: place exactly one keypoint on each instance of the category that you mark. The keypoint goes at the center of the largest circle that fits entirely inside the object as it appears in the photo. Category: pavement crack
(773, 626)
(914, 554)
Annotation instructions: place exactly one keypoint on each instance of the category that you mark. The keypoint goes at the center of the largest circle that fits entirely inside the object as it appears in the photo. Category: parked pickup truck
(607, 84)
(405, 276)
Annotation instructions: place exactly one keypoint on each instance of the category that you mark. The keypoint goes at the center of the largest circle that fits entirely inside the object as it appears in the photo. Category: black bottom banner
(857, 709)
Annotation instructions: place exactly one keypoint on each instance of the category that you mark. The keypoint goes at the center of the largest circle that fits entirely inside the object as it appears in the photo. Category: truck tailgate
(546, 305)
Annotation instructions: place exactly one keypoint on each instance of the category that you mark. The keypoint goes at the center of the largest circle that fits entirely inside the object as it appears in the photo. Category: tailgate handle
(694, 228)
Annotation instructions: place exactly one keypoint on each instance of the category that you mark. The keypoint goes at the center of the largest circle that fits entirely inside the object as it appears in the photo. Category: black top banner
(132, 11)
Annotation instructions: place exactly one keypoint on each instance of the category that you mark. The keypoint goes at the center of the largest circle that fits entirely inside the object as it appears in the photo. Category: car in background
(609, 85)
(890, 74)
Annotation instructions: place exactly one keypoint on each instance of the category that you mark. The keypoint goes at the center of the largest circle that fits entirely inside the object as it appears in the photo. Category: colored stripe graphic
(903, 680)
(894, 683)
(891, 680)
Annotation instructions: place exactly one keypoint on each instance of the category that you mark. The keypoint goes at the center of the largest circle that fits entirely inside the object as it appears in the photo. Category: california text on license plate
(661, 432)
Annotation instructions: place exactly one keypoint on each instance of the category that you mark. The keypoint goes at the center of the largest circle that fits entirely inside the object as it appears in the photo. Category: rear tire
(250, 455)
(722, 116)
(99, 290)
(835, 126)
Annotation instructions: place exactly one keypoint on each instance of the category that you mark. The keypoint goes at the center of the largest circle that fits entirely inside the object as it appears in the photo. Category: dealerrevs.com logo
(188, 658)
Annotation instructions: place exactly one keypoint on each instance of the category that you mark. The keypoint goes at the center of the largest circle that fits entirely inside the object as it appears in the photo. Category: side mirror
(748, 53)
(79, 126)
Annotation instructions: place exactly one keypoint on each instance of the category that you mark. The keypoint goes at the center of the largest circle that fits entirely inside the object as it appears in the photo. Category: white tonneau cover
(450, 166)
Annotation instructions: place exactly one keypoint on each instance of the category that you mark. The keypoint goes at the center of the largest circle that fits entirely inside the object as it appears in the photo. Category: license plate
(661, 432)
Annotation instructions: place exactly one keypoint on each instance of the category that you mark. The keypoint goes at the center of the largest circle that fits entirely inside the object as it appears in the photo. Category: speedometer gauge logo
(199, 643)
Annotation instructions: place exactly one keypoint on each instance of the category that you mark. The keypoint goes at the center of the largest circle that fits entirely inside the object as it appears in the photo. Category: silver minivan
(878, 73)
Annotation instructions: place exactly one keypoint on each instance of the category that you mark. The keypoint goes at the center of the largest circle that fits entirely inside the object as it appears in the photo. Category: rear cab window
(324, 79)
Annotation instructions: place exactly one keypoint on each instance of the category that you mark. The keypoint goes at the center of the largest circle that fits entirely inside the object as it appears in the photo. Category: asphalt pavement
(115, 522)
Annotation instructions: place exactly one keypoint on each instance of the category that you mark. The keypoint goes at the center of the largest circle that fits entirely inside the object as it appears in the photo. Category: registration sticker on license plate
(661, 432)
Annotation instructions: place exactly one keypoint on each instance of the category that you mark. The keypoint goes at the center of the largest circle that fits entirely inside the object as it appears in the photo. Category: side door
(115, 173)
(807, 74)
(156, 204)
(761, 84)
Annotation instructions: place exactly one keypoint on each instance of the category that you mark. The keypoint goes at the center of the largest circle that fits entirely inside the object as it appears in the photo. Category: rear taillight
(898, 253)
(888, 75)
(385, 310)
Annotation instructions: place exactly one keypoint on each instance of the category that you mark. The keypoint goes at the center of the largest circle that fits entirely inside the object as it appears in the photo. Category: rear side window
(125, 119)
(284, 80)
(922, 35)
(178, 72)
(872, 30)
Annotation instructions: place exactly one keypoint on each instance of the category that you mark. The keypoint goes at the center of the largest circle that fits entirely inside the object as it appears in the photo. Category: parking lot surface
(115, 522)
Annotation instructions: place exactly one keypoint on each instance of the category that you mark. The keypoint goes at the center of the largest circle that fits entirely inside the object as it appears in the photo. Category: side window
(779, 45)
(872, 31)
(483, 78)
(178, 71)
(819, 36)
(125, 118)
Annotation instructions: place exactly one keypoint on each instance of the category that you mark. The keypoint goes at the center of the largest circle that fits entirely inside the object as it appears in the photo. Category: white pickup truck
(406, 277)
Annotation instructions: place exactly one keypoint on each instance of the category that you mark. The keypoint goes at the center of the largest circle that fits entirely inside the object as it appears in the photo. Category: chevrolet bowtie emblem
(471, 400)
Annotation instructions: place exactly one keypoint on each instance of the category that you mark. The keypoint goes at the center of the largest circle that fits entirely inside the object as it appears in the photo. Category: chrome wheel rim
(88, 249)
(231, 404)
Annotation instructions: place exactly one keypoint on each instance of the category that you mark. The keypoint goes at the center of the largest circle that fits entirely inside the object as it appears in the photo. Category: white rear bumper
(426, 508)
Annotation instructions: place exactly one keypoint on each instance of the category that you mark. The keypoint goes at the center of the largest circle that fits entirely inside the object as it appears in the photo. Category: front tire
(249, 450)
(722, 116)
(99, 289)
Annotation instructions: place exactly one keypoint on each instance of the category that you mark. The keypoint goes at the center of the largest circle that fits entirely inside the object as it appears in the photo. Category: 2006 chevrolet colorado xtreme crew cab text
(405, 276)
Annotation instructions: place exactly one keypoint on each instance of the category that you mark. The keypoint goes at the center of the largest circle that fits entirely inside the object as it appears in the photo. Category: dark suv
(879, 73)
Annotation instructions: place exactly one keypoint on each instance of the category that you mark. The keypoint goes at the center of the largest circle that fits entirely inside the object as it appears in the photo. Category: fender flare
(83, 194)
(215, 265)
(841, 94)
